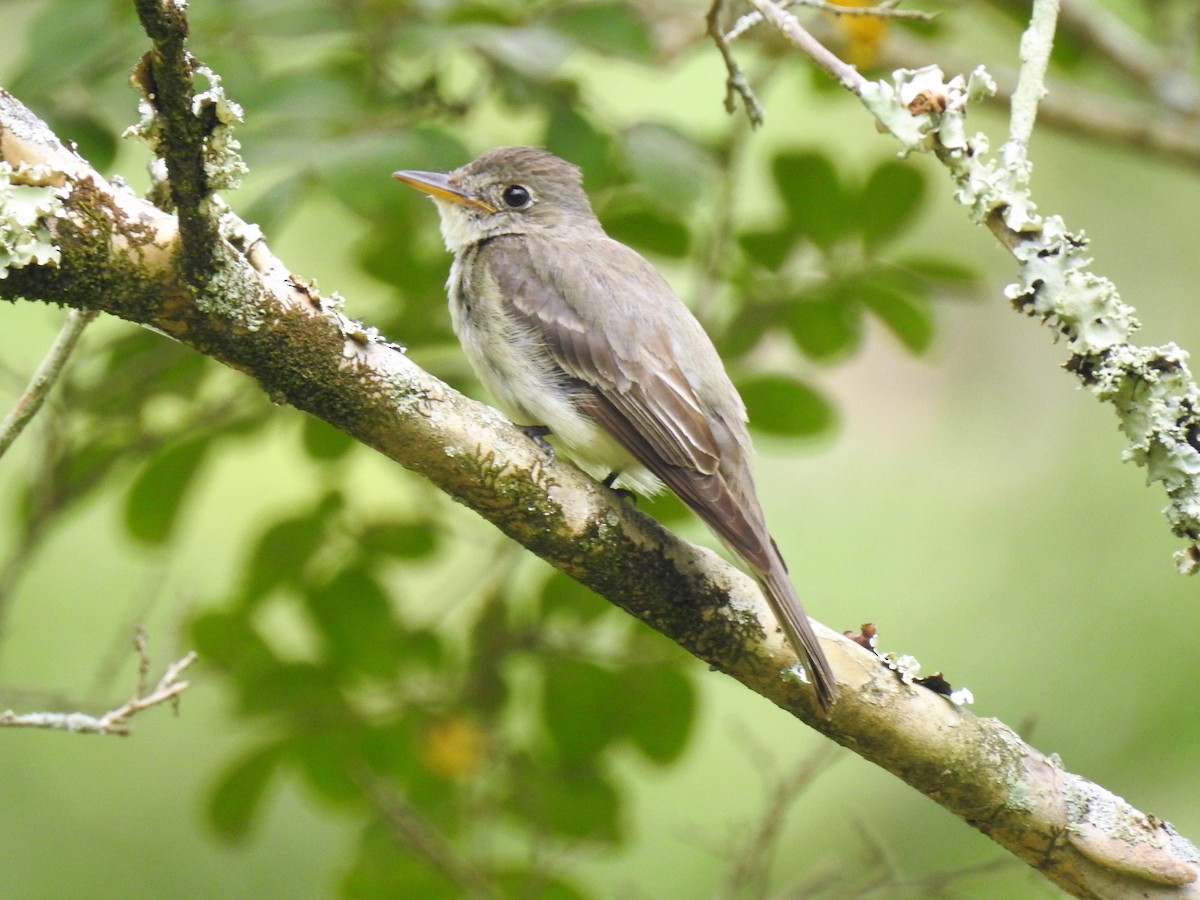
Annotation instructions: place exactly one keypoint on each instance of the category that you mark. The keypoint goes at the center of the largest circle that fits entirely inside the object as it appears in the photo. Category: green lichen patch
(27, 199)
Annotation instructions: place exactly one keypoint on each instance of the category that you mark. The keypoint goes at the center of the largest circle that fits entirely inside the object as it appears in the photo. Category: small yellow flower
(864, 35)
(453, 748)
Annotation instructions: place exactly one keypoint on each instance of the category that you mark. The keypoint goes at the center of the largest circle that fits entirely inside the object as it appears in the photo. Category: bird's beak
(441, 187)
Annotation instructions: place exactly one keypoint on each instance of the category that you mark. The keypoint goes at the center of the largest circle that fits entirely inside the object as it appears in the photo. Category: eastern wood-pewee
(576, 332)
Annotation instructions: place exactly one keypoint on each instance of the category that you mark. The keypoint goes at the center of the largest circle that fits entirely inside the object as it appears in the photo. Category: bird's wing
(623, 362)
(630, 381)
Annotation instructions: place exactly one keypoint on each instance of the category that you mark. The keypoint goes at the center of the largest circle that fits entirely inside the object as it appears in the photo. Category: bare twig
(412, 831)
(1036, 44)
(45, 377)
(1142, 63)
(786, 23)
(752, 863)
(889, 9)
(736, 83)
(115, 721)
(886, 10)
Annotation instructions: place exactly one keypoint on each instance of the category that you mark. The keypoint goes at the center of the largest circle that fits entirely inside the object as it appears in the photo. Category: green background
(969, 501)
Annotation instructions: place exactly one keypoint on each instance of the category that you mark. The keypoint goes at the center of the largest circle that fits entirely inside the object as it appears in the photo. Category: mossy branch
(118, 254)
(1151, 389)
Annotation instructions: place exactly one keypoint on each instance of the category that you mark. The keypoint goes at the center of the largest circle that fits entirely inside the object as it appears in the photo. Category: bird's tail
(777, 587)
(736, 518)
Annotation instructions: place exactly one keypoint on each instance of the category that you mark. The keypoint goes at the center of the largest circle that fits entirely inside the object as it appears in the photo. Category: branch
(1142, 63)
(413, 832)
(189, 131)
(736, 83)
(44, 378)
(1036, 44)
(302, 350)
(885, 10)
(1151, 388)
(115, 721)
(1164, 123)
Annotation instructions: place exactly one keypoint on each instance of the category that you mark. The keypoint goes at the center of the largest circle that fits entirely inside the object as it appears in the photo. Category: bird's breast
(511, 359)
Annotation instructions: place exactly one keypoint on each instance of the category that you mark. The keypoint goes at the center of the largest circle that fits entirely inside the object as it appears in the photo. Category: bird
(578, 335)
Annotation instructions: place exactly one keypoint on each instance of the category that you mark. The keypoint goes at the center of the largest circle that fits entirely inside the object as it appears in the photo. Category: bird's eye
(516, 197)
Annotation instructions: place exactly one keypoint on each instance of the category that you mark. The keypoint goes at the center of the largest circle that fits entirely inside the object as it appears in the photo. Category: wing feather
(632, 383)
(618, 354)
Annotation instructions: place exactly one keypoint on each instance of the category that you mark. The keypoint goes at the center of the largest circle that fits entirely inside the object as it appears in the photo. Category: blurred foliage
(435, 739)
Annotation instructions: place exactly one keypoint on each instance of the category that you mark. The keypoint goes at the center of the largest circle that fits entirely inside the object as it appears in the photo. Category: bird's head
(509, 190)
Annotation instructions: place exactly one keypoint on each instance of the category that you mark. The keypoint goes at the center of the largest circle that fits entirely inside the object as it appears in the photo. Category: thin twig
(786, 23)
(1141, 62)
(886, 10)
(753, 862)
(45, 377)
(1087, 112)
(736, 83)
(114, 721)
(412, 831)
(1036, 44)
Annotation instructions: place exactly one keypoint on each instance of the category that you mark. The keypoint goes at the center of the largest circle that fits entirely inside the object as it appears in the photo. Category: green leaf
(354, 615)
(891, 198)
(649, 231)
(485, 689)
(327, 758)
(282, 555)
(572, 136)
(573, 802)
(95, 140)
(906, 313)
(309, 693)
(381, 869)
(237, 798)
(661, 710)
(532, 53)
(401, 540)
(274, 206)
(947, 272)
(778, 404)
(562, 595)
(536, 882)
(324, 442)
(582, 708)
(83, 40)
(157, 495)
(826, 324)
(753, 319)
(610, 28)
(131, 364)
(817, 206)
(768, 248)
(227, 640)
(674, 169)
(359, 171)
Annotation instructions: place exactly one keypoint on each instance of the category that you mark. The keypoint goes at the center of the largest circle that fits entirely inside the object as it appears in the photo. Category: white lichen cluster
(27, 198)
(223, 164)
(923, 110)
(1151, 388)
(908, 668)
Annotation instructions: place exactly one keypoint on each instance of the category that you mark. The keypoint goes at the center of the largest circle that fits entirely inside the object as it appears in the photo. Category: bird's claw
(627, 496)
(537, 434)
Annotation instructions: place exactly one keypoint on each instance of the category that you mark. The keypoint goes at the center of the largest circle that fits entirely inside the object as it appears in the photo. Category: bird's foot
(627, 496)
(537, 434)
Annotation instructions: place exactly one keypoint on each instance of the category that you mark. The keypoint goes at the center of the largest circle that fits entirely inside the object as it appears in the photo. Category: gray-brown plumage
(577, 332)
